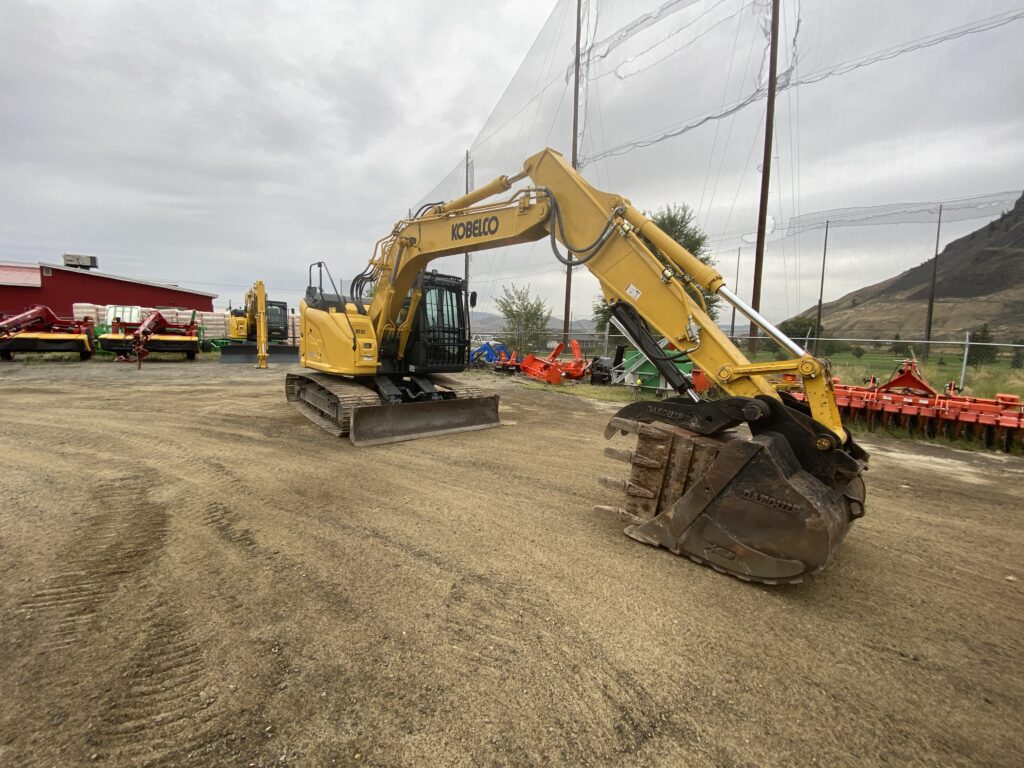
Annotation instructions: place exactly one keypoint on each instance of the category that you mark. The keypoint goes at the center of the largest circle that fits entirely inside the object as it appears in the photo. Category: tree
(800, 327)
(676, 221)
(601, 313)
(900, 348)
(526, 319)
(979, 355)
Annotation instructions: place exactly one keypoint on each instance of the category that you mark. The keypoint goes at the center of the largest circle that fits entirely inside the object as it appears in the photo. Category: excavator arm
(611, 239)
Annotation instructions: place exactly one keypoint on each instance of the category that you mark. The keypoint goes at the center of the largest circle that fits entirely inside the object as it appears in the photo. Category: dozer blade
(743, 506)
(238, 353)
(246, 353)
(380, 424)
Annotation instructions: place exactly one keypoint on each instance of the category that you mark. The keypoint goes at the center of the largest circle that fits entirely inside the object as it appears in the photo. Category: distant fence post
(963, 368)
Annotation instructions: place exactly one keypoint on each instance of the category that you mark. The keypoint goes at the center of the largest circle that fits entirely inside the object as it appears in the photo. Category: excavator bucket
(744, 506)
(379, 424)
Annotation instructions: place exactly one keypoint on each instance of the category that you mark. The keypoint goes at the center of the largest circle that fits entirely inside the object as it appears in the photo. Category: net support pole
(766, 171)
(931, 293)
(821, 291)
(469, 327)
(575, 161)
(732, 322)
(963, 368)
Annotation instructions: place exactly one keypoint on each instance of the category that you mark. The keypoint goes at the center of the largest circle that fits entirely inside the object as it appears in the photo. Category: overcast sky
(212, 144)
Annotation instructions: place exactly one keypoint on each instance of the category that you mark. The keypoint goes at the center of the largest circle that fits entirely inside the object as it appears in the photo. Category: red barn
(59, 287)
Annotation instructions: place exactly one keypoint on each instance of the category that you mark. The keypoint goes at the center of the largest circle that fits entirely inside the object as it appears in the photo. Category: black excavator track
(345, 407)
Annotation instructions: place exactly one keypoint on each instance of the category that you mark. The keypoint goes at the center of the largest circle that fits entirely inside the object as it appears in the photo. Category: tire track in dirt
(111, 546)
(160, 713)
(491, 624)
(224, 521)
(511, 635)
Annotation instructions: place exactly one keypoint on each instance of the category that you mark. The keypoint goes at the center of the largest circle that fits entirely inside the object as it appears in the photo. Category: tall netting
(884, 111)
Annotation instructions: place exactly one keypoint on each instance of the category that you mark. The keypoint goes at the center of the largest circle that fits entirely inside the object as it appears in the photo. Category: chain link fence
(976, 368)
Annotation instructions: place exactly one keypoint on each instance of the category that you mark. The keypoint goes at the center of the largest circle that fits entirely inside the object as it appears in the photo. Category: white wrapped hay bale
(214, 324)
(82, 310)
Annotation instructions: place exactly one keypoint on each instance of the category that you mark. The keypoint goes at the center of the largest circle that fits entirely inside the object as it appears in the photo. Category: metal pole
(931, 294)
(963, 368)
(575, 161)
(732, 322)
(469, 309)
(766, 170)
(821, 291)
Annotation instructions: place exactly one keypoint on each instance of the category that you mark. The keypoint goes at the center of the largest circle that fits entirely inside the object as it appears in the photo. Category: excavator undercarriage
(347, 408)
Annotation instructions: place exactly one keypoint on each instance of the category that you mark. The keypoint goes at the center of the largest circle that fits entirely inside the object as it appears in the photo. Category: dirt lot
(192, 574)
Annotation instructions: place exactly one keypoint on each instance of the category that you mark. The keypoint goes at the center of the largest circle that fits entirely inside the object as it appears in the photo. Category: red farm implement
(40, 330)
(909, 403)
(132, 342)
(507, 363)
(579, 366)
(547, 369)
(551, 370)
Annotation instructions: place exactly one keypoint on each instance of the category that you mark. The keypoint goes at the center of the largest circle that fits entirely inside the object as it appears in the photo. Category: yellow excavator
(257, 329)
(755, 484)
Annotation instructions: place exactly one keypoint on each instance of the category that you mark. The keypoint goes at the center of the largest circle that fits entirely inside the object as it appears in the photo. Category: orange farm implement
(550, 369)
(908, 402)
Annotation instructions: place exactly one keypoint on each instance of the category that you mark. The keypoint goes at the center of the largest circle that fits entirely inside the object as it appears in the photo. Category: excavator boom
(770, 508)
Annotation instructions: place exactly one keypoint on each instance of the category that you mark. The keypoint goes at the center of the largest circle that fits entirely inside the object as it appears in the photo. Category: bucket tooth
(619, 512)
(628, 487)
(632, 457)
(631, 426)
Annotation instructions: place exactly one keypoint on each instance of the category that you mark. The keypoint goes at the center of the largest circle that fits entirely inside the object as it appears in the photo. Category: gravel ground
(191, 574)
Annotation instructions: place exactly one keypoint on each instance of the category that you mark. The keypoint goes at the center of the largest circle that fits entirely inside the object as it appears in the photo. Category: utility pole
(766, 170)
(469, 331)
(732, 323)
(931, 294)
(575, 163)
(821, 291)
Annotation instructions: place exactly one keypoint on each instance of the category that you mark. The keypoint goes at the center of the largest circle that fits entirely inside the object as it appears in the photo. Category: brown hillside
(980, 280)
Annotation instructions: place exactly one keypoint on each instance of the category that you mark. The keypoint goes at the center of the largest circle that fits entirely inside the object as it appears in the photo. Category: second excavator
(257, 330)
(755, 484)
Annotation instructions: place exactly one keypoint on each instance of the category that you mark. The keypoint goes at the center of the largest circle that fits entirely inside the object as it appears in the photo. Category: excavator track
(346, 408)
(328, 401)
(741, 506)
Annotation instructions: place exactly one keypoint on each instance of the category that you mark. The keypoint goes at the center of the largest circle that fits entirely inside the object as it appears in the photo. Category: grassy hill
(980, 280)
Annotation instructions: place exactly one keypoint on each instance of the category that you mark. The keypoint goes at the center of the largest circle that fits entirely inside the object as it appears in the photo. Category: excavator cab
(277, 320)
(439, 341)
